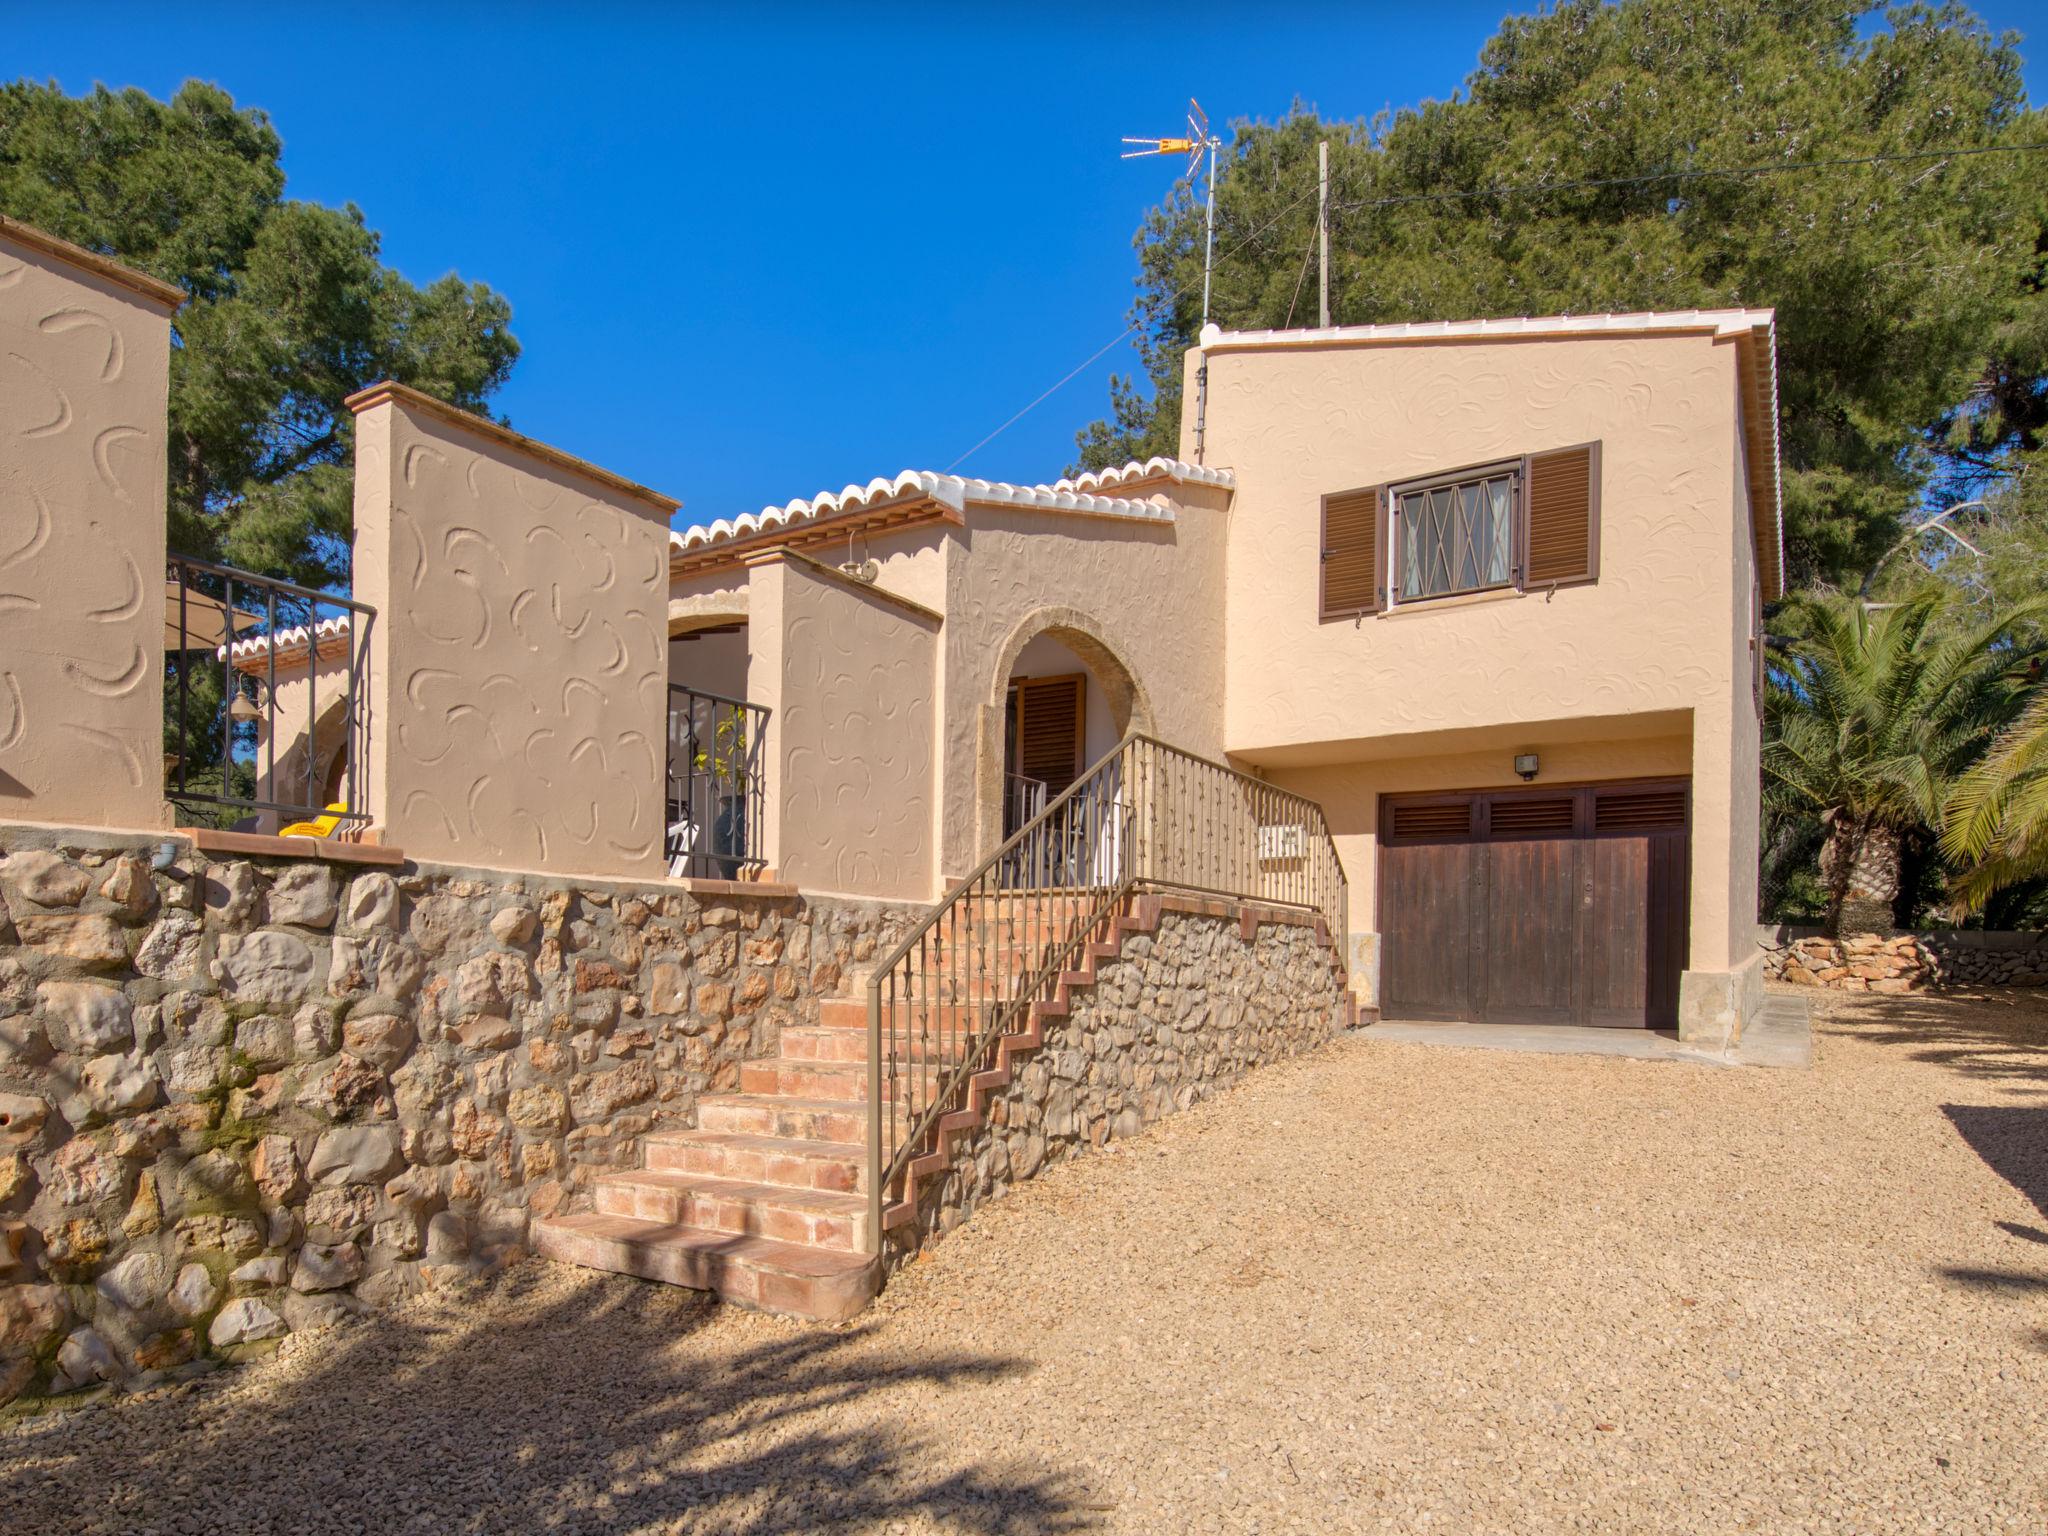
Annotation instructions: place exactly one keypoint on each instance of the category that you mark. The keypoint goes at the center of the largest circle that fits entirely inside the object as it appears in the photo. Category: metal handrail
(1145, 815)
(246, 587)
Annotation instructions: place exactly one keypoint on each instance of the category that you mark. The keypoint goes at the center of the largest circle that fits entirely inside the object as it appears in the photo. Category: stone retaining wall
(1869, 962)
(239, 1097)
(1185, 1010)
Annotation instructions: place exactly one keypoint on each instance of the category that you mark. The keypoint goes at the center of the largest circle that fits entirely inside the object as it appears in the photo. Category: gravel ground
(1387, 1287)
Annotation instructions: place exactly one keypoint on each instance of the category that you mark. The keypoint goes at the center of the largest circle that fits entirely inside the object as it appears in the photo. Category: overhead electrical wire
(1537, 189)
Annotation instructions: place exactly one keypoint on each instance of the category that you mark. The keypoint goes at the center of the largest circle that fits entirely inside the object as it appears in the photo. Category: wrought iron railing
(1023, 798)
(266, 694)
(717, 785)
(1149, 817)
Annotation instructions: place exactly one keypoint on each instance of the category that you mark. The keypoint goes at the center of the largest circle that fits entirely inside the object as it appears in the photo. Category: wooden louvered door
(1428, 891)
(1530, 909)
(1049, 729)
(1536, 906)
(1633, 942)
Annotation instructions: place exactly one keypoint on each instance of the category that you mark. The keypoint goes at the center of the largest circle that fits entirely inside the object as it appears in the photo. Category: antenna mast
(1199, 139)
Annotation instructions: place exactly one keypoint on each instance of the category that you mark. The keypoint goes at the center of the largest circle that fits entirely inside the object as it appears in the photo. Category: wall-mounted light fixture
(245, 710)
(1526, 764)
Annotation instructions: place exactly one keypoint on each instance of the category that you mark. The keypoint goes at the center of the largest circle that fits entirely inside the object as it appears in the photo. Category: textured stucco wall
(851, 679)
(712, 663)
(1660, 631)
(302, 694)
(84, 380)
(1149, 593)
(518, 659)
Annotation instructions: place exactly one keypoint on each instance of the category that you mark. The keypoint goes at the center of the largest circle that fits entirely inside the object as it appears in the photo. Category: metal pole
(1208, 270)
(1323, 223)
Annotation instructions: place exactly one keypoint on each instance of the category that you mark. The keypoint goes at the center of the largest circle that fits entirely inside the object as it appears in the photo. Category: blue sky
(753, 259)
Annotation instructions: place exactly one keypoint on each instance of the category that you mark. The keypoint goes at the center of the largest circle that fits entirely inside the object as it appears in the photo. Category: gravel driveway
(1387, 1287)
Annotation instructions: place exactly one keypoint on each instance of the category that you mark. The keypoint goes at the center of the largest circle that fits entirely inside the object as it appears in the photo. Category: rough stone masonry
(239, 1097)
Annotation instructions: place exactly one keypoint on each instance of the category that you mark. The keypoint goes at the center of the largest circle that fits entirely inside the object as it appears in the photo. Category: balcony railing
(717, 785)
(266, 689)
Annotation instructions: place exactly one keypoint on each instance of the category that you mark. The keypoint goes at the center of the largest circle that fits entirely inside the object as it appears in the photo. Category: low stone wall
(1869, 962)
(1185, 1010)
(239, 1097)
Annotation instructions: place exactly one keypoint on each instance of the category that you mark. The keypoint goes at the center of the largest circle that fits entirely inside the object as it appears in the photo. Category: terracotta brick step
(781, 1161)
(844, 1081)
(821, 1218)
(852, 1013)
(784, 1117)
(824, 1284)
(840, 1044)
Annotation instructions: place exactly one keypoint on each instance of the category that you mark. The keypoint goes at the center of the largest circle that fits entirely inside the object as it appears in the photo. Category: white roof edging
(1718, 322)
(1078, 494)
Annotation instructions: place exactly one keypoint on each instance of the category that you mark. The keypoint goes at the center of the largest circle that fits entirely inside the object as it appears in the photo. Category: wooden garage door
(1535, 906)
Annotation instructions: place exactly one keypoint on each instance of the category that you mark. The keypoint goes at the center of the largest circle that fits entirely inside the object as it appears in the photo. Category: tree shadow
(539, 1404)
(2013, 1141)
(1985, 1034)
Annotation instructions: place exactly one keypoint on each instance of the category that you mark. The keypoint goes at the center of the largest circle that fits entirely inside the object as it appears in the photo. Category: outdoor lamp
(244, 708)
(1526, 764)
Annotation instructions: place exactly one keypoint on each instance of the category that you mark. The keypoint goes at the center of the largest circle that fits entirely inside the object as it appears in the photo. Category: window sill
(1420, 605)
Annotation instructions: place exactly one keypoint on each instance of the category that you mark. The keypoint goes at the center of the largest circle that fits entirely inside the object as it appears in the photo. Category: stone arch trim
(687, 615)
(1130, 706)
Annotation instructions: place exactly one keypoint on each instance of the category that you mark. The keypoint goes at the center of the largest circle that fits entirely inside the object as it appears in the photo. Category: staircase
(766, 1202)
(774, 1199)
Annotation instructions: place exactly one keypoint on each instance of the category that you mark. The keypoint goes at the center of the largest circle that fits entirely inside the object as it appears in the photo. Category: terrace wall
(243, 1097)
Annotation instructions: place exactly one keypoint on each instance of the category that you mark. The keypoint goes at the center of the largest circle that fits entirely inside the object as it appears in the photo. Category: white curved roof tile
(289, 644)
(1080, 494)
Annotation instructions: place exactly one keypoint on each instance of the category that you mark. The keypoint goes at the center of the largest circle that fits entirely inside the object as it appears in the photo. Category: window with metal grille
(1456, 535)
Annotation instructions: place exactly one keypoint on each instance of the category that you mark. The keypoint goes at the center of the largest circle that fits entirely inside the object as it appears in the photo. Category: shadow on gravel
(588, 1413)
(2013, 1141)
(1987, 1034)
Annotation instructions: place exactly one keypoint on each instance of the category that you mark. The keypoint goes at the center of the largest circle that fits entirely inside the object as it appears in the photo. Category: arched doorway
(1061, 698)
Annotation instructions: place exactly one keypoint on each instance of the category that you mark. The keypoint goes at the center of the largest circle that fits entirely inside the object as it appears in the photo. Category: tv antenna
(1194, 144)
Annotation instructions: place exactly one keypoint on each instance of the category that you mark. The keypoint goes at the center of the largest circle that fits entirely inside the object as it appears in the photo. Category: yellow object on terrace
(319, 826)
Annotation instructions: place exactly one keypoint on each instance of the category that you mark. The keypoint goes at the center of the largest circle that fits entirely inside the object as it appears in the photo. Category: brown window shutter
(1561, 531)
(1049, 729)
(1351, 553)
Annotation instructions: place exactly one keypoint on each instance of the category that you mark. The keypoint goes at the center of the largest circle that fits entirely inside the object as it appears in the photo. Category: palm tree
(1875, 711)
(1996, 825)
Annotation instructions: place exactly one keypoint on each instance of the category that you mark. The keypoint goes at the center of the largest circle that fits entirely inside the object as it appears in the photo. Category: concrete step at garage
(828, 1285)
(821, 1218)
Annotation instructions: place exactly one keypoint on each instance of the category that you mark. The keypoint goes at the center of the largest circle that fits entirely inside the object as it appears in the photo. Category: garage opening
(1536, 906)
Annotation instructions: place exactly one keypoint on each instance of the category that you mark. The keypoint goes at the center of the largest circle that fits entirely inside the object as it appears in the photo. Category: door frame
(1479, 834)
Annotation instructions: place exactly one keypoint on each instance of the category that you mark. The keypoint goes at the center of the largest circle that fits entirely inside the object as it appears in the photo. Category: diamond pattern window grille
(1458, 537)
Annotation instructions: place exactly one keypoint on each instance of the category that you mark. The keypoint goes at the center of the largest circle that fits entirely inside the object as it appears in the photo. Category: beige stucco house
(1487, 591)
(772, 891)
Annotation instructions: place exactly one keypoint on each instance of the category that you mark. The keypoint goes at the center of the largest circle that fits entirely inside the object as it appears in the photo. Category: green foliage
(291, 309)
(1912, 325)
(1875, 715)
(1996, 822)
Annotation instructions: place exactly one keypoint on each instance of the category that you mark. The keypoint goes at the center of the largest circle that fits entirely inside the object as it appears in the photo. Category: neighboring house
(1487, 591)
